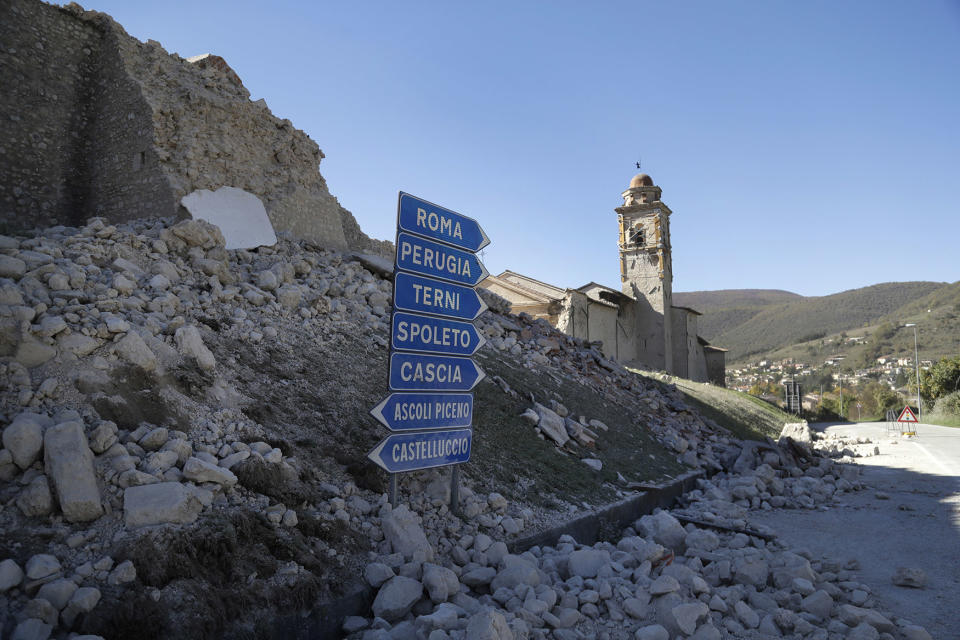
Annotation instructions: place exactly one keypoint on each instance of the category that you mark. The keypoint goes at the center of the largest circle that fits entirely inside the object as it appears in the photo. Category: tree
(940, 379)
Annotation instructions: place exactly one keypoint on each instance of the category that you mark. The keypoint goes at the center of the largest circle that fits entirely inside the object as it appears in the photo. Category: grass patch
(942, 420)
(747, 417)
(510, 458)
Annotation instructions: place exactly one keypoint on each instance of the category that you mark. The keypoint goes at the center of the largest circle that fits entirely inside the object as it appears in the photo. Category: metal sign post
(429, 411)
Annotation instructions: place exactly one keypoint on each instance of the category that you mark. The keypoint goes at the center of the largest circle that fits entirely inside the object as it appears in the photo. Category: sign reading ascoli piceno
(413, 411)
(411, 451)
(433, 221)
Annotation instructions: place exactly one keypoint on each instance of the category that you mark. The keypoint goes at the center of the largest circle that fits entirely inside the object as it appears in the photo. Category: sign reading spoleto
(431, 341)
(412, 332)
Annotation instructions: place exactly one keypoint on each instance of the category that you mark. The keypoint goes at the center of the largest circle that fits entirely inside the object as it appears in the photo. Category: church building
(638, 325)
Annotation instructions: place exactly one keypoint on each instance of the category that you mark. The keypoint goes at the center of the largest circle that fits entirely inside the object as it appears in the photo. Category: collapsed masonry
(97, 123)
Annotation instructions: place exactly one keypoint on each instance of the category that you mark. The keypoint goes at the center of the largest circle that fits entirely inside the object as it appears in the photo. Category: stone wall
(124, 179)
(102, 124)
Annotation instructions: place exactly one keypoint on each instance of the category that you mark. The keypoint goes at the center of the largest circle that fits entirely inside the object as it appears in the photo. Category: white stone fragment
(159, 503)
(240, 215)
(201, 471)
(24, 438)
(11, 574)
(190, 344)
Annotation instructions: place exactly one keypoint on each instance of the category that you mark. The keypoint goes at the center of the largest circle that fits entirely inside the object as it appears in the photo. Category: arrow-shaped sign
(430, 258)
(411, 451)
(412, 411)
(421, 372)
(426, 295)
(413, 332)
(432, 221)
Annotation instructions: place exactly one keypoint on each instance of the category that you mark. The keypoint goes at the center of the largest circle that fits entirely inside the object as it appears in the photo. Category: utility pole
(840, 377)
(916, 362)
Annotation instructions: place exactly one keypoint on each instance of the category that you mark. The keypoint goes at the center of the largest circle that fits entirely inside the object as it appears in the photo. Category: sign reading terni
(426, 295)
(414, 332)
(430, 258)
(411, 451)
(427, 219)
(411, 411)
(421, 372)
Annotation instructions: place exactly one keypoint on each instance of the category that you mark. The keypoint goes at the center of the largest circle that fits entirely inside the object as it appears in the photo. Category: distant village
(895, 371)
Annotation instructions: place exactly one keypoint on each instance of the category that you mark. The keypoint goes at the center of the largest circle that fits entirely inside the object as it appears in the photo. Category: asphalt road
(908, 516)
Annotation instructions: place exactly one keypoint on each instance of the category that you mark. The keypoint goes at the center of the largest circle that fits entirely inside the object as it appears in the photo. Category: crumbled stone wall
(100, 123)
(124, 179)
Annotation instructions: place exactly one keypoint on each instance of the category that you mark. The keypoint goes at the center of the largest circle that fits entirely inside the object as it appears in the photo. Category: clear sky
(809, 146)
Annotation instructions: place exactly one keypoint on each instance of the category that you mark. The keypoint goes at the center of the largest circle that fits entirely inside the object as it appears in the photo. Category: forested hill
(752, 322)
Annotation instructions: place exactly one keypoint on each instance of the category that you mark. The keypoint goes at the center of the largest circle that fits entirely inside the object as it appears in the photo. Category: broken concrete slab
(240, 215)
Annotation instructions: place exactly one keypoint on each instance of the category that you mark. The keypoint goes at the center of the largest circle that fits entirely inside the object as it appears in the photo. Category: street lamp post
(916, 362)
(840, 378)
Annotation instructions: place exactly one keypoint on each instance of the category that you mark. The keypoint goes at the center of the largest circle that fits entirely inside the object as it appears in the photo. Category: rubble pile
(140, 367)
(709, 579)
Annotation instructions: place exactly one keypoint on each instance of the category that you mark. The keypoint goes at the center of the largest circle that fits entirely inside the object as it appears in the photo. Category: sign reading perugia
(432, 339)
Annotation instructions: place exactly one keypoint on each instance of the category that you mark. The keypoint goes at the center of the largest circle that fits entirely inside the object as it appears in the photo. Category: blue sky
(806, 146)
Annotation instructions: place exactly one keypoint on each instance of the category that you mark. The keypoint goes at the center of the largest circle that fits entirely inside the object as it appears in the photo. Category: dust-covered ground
(909, 517)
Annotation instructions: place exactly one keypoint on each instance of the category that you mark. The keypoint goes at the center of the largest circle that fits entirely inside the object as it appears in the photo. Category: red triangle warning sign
(907, 415)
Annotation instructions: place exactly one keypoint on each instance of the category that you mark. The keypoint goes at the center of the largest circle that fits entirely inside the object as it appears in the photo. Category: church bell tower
(646, 272)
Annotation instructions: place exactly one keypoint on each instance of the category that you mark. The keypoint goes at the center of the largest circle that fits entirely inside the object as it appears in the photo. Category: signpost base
(455, 490)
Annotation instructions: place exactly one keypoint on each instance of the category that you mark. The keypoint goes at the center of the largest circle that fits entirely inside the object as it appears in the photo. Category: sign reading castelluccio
(413, 451)
(432, 339)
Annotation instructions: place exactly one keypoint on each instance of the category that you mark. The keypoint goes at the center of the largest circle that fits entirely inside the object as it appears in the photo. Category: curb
(325, 619)
(592, 527)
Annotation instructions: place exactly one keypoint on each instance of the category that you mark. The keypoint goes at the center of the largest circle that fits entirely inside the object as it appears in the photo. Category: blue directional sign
(413, 332)
(432, 221)
(426, 295)
(430, 258)
(412, 451)
(412, 411)
(421, 372)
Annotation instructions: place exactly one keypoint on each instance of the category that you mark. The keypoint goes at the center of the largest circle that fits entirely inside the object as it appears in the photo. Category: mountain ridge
(752, 322)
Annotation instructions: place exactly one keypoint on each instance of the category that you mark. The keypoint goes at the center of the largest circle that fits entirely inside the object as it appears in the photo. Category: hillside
(937, 316)
(704, 301)
(760, 329)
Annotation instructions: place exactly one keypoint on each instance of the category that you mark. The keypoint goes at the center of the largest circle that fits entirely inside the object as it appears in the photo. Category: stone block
(24, 438)
(160, 503)
(69, 466)
(402, 529)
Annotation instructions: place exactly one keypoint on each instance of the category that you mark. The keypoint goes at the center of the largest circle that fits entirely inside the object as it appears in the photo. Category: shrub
(949, 404)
